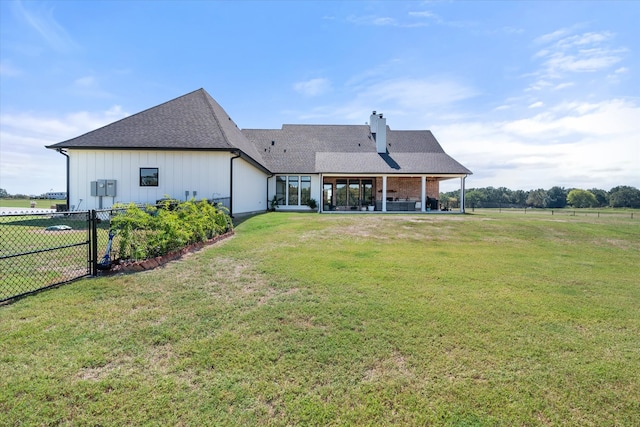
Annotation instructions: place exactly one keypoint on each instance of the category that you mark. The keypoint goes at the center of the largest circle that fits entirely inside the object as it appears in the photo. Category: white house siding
(249, 188)
(178, 171)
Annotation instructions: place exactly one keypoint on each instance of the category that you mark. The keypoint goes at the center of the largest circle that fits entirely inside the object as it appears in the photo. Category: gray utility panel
(103, 187)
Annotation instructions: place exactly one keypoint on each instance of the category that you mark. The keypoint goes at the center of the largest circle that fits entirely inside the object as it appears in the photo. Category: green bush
(149, 231)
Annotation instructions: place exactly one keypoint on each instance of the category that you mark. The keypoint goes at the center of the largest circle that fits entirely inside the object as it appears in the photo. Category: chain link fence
(40, 250)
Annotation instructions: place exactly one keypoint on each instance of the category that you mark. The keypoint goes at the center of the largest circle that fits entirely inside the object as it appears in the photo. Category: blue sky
(526, 94)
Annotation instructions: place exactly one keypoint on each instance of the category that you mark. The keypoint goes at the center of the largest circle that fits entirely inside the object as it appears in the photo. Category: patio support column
(423, 185)
(384, 193)
(462, 178)
(321, 198)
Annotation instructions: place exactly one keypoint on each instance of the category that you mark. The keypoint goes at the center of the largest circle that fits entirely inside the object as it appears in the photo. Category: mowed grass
(304, 319)
(25, 203)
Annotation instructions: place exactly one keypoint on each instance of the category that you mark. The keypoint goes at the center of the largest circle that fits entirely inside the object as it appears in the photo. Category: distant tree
(444, 199)
(3, 193)
(624, 197)
(488, 194)
(474, 197)
(581, 198)
(557, 197)
(537, 198)
(519, 197)
(450, 199)
(602, 197)
(504, 195)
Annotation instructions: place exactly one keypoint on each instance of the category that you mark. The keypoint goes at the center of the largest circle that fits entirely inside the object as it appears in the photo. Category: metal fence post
(93, 246)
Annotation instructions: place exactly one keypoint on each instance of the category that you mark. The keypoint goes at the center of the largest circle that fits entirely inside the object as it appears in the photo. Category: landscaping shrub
(149, 231)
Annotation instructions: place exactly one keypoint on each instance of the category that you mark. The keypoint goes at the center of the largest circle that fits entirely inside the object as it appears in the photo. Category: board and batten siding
(178, 171)
(249, 188)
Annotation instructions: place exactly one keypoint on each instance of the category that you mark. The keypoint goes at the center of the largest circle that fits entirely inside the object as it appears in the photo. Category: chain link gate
(42, 250)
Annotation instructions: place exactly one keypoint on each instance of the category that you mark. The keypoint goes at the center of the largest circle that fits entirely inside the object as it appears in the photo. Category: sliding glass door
(354, 193)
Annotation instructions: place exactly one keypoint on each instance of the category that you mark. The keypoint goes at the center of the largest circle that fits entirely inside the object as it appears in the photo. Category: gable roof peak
(191, 121)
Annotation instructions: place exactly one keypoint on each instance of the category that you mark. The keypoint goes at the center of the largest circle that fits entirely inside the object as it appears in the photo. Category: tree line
(622, 196)
(4, 194)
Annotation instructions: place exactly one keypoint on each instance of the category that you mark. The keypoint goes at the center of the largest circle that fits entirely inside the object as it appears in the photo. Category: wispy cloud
(373, 20)
(399, 98)
(417, 93)
(313, 87)
(388, 21)
(423, 14)
(41, 18)
(89, 86)
(563, 53)
(428, 17)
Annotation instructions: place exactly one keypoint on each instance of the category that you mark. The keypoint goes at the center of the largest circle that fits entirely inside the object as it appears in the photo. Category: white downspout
(462, 193)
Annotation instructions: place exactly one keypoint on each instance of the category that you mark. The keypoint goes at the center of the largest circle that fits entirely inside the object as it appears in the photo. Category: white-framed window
(293, 190)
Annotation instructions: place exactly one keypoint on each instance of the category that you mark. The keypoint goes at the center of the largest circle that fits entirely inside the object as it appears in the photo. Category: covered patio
(384, 193)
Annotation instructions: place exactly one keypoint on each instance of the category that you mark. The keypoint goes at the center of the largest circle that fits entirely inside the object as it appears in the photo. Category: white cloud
(26, 166)
(383, 21)
(89, 86)
(313, 87)
(403, 99)
(578, 144)
(423, 14)
(537, 104)
(563, 85)
(584, 39)
(418, 93)
(581, 53)
(44, 23)
(387, 21)
(372, 20)
(87, 81)
(539, 85)
(429, 17)
(550, 37)
(503, 107)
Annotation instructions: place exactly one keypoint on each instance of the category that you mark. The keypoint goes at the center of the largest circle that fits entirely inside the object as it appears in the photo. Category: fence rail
(584, 212)
(39, 250)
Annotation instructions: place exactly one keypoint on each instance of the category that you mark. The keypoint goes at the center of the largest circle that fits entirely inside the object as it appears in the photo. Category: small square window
(148, 177)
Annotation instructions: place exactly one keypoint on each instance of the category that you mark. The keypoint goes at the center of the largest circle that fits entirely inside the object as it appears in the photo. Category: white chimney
(378, 125)
(373, 122)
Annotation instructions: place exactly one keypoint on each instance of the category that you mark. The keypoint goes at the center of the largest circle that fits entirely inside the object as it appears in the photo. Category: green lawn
(304, 319)
(26, 203)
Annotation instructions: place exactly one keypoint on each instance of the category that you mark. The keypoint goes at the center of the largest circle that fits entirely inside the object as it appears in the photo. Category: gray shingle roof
(194, 121)
(392, 163)
(350, 149)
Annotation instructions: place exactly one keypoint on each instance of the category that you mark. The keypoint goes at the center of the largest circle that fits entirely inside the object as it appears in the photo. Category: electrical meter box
(111, 188)
(103, 187)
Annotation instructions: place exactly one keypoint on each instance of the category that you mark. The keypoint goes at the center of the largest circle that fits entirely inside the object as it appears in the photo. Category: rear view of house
(190, 148)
